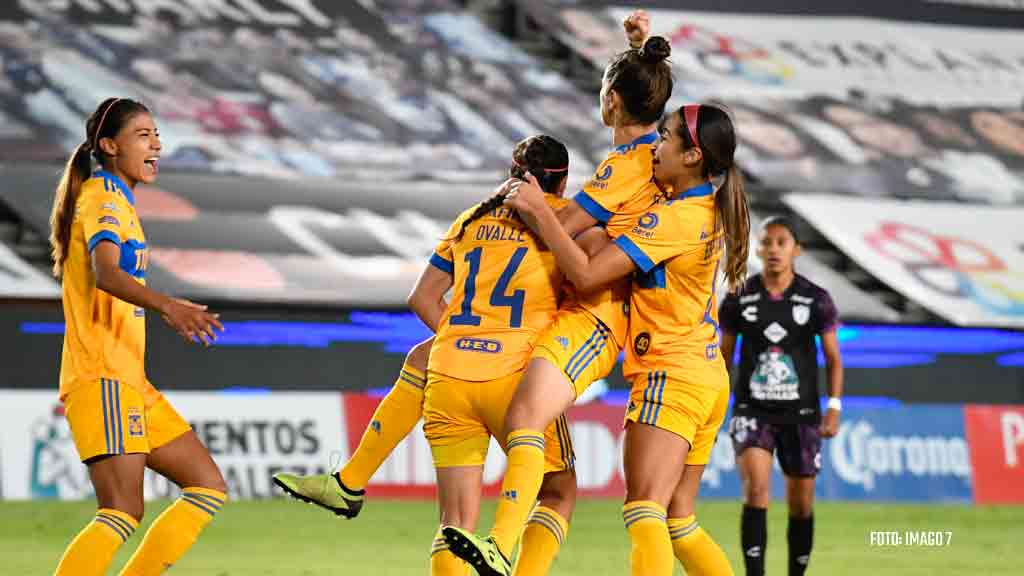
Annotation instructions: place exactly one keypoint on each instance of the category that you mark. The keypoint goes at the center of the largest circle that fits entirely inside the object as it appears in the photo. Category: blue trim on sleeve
(101, 236)
(441, 264)
(642, 261)
(590, 206)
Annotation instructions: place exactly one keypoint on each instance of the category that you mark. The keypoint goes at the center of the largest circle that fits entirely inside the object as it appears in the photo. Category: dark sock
(754, 539)
(800, 534)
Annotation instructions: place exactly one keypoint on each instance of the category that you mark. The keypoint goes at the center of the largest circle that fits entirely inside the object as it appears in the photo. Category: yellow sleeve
(614, 183)
(657, 236)
(101, 213)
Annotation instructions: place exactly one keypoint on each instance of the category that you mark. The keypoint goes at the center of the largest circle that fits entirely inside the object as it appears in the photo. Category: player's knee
(756, 493)
(801, 506)
(131, 505)
(558, 492)
(214, 480)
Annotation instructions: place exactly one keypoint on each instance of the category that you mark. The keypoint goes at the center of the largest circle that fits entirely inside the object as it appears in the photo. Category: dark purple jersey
(778, 372)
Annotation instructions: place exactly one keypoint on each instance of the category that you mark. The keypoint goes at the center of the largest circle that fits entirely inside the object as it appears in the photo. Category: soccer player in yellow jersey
(119, 422)
(505, 290)
(583, 342)
(680, 385)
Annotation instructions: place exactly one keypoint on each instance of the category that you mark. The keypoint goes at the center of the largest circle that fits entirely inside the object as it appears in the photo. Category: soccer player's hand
(830, 423)
(526, 196)
(192, 321)
(638, 27)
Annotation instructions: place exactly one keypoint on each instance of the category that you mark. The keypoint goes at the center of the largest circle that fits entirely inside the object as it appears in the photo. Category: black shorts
(799, 445)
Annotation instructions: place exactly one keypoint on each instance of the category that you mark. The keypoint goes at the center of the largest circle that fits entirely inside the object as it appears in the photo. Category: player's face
(777, 249)
(671, 159)
(138, 150)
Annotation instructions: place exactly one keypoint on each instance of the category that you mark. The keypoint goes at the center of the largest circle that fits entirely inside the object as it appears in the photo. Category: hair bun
(655, 49)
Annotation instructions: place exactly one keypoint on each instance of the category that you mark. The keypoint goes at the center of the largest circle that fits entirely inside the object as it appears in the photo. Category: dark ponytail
(544, 157)
(731, 203)
(716, 137)
(642, 79)
(76, 171)
(105, 122)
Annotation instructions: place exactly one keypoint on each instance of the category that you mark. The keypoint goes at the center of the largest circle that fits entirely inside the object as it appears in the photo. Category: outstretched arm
(587, 273)
(188, 319)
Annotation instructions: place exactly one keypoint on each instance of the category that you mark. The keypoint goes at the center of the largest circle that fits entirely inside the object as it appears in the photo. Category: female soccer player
(637, 85)
(583, 342)
(506, 290)
(780, 313)
(120, 423)
(680, 386)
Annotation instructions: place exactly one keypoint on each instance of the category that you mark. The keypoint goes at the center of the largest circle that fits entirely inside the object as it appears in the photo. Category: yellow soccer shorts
(692, 408)
(580, 345)
(460, 416)
(110, 417)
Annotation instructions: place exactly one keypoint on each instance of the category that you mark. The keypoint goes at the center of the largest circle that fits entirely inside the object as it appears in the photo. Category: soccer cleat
(324, 490)
(480, 553)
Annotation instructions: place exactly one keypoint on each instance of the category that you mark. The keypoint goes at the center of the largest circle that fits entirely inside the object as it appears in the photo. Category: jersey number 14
(499, 296)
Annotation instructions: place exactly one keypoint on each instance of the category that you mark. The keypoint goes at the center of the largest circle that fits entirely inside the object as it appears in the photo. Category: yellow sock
(91, 551)
(544, 535)
(698, 552)
(652, 549)
(174, 531)
(519, 488)
(394, 418)
(443, 562)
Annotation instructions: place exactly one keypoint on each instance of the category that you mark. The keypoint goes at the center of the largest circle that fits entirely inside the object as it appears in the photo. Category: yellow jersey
(677, 247)
(505, 292)
(616, 196)
(103, 337)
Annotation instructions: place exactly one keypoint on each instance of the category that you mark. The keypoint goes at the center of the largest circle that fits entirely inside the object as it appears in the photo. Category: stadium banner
(966, 269)
(911, 453)
(916, 111)
(251, 437)
(903, 453)
(792, 54)
(18, 279)
(996, 436)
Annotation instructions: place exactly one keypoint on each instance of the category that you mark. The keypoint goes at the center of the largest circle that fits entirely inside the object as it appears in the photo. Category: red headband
(99, 127)
(566, 169)
(690, 118)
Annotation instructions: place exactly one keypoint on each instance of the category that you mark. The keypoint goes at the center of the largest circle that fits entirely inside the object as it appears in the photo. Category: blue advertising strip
(889, 453)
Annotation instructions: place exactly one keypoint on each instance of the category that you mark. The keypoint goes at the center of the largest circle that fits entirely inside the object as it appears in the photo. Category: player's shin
(699, 554)
(92, 550)
(543, 538)
(394, 418)
(519, 488)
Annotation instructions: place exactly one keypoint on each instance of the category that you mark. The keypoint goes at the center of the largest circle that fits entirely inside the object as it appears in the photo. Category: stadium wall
(937, 453)
(285, 348)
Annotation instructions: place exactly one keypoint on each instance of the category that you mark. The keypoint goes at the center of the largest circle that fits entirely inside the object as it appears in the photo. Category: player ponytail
(710, 128)
(544, 157)
(105, 122)
(76, 171)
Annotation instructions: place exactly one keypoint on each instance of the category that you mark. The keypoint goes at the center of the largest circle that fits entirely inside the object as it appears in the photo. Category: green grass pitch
(392, 538)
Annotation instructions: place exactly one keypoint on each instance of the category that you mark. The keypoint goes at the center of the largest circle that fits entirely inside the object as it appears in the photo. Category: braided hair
(544, 157)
